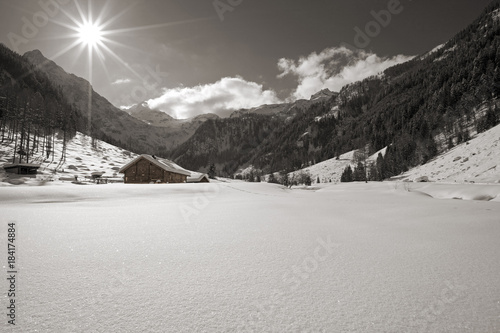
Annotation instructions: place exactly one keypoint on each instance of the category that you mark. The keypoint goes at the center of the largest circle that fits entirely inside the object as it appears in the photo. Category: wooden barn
(147, 169)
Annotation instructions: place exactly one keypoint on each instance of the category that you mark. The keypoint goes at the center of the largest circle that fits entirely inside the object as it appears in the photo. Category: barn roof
(196, 177)
(21, 165)
(163, 163)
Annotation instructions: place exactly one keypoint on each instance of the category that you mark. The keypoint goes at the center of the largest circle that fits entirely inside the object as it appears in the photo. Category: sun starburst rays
(90, 34)
(94, 35)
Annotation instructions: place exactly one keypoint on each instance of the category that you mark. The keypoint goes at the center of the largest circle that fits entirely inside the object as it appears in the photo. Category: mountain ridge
(286, 109)
(419, 108)
(108, 122)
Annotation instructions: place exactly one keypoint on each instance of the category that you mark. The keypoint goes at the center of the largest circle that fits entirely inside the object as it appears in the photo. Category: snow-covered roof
(196, 177)
(163, 163)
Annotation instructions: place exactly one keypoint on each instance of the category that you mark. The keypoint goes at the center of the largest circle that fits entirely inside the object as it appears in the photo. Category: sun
(90, 34)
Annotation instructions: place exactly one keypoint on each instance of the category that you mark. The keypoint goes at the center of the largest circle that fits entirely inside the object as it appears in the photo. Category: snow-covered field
(253, 257)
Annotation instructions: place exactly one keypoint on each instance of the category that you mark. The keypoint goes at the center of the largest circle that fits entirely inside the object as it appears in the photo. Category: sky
(189, 57)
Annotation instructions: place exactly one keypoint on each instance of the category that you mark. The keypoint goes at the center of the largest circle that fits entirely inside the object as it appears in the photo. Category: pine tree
(381, 169)
(346, 175)
(359, 174)
(212, 171)
(373, 172)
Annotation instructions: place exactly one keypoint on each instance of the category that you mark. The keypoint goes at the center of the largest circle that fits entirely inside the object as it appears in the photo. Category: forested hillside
(32, 109)
(226, 142)
(418, 109)
(38, 97)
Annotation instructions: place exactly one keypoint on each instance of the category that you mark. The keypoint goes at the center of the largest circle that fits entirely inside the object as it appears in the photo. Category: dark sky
(182, 57)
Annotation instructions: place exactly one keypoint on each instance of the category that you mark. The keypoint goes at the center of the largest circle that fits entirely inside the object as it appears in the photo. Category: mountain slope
(239, 140)
(227, 142)
(418, 108)
(286, 109)
(179, 130)
(142, 112)
(105, 120)
(477, 161)
(82, 158)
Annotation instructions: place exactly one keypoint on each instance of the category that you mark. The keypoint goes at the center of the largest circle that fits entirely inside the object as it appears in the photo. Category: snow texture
(252, 257)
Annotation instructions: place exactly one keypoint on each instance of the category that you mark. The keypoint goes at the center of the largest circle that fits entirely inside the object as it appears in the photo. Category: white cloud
(221, 97)
(122, 81)
(333, 68)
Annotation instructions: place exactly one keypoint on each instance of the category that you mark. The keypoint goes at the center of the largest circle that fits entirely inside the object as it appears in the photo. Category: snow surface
(251, 257)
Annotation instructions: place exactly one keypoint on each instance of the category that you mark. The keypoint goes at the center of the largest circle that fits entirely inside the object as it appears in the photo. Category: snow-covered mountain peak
(325, 93)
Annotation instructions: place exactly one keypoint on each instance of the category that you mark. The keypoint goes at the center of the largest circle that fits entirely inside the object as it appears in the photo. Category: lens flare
(90, 34)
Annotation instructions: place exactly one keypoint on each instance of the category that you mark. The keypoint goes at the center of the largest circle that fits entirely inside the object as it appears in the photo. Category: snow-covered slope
(477, 160)
(143, 112)
(323, 95)
(81, 160)
(329, 170)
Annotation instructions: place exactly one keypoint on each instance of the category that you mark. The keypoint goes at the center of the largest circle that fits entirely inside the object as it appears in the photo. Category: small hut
(22, 168)
(147, 169)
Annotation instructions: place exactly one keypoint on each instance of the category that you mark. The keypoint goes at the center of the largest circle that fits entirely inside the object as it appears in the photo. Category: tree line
(417, 109)
(32, 111)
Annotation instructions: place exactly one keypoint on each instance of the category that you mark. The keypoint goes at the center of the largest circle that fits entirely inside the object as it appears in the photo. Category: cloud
(333, 68)
(222, 97)
(122, 81)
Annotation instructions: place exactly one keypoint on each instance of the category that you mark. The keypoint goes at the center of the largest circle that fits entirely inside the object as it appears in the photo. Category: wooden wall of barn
(144, 172)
